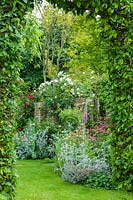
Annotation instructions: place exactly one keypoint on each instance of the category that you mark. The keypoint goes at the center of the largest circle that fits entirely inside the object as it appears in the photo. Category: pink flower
(26, 103)
(93, 138)
(30, 96)
(85, 117)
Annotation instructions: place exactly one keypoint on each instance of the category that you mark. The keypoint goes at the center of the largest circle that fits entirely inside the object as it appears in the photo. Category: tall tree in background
(43, 44)
(88, 53)
(56, 26)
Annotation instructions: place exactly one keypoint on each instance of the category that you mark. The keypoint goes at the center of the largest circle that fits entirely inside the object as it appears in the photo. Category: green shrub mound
(70, 117)
(102, 179)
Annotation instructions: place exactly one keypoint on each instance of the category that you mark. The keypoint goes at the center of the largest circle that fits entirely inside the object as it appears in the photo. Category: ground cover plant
(37, 181)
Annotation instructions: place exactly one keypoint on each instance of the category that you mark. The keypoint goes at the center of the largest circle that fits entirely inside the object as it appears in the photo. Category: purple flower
(85, 117)
(93, 138)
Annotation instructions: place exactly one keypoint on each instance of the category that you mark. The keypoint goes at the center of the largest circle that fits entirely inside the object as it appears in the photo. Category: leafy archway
(116, 23)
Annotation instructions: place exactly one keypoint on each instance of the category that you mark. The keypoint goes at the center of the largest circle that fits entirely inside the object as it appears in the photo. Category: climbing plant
(11, 20)
(114, 16)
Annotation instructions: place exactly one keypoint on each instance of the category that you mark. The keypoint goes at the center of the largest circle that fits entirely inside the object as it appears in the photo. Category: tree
(30, 45)
(56, 26)
(88, 53)
(116, 23)
(86, 48)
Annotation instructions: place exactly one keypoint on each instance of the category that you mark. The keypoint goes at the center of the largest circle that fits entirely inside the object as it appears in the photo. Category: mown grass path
(37, 181)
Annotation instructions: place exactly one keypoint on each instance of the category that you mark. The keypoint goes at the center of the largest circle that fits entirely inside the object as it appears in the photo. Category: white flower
(68, 79)
(60, 73)
(71, 83)
(72, 91)
(48, 83)
(55, 81)
(42, 85)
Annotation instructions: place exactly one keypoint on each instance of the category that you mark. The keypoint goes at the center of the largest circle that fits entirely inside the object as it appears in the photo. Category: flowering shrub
(59, 93)
(99, 135)
(25, 109)
(70, 117)
(100, 127)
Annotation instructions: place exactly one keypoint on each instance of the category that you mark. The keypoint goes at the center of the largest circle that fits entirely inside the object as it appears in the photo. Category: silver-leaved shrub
(76, 158)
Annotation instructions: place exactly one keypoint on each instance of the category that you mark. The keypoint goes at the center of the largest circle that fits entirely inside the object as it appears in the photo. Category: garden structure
(115, 22)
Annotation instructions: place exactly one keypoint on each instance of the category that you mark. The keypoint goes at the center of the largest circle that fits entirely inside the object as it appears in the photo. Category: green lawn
(37, 181)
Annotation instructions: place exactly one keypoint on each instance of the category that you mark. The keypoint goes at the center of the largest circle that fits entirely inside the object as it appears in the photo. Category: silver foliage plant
(75, 162)
(32, 143)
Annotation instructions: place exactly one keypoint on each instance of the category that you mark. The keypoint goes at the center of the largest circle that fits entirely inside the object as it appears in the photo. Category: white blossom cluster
(62, 82)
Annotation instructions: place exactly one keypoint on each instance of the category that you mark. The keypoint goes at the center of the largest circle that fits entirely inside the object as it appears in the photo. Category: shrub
(101, 179)
(76, 173)
(70, 117)
(76, 158)
(60, 93)
(25, 104)
(35, 141)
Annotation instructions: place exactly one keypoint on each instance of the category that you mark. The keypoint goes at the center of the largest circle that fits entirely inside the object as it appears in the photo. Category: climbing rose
(26, 103)
(30, 96)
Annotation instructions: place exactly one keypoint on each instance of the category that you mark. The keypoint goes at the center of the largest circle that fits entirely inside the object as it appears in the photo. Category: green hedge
(11, 14)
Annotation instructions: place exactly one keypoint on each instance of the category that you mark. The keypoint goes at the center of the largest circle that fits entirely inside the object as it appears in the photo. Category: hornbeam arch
(116, 23)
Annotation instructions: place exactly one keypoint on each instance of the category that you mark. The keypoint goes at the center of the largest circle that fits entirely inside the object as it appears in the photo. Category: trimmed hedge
(11, 15)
